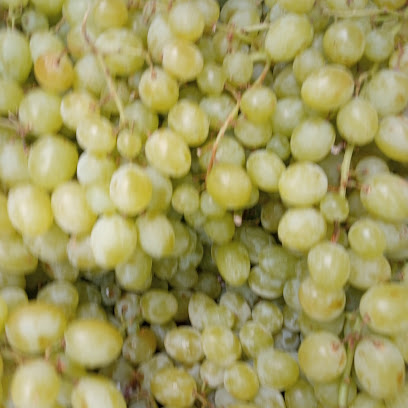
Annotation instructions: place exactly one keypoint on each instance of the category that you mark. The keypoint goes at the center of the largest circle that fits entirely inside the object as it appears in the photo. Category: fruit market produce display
(203, 204)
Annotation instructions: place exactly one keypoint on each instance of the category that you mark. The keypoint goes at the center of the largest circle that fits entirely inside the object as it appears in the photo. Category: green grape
(321, 304)
(158, 34)
(219, 315)
(209, 207)
(328, 88)
(129, 143)
(271, 213)
(366, 238)
(395, 147)
(238, 68)
(35, 383)
(322, 357)
(11, 95)
(183, 344)
(265, 168)
(43, 42)
(52, 160)
(212, 374)
(13, 297)
(364, 400)
(88, 75)
(164, 268)
(4, 313)
(210, 10)
(287, 340)
(300, 395)
(287, 36)
(254, 338)
(329, 265)
(398, 59)
(385, 195)
(312, 139)
(328, 393)
(113, 240)
(269, 398)
(15, 57)
(62, 271)
(241, 381)
(33, 21)
(184, 278)
(229, 185)
(268, 315)
(301, 228)
(264, 284)
(33, 327)
(233, 262)
(279, 144)
(50, 8)
(237, 304)
(306, 62)
(277, 262)
(106, 14)
(139, 346)
(90, 311)
(251, 134)
(173, 386)
(167, 151)
(158, 306)
(39, 111)
(158, 90)
(92, 169)
(384, 306)
(211, 79)
(92, 343)
(379, 367)
(344, 4)
(220, 345)
(162, 190)
(96, 390)
(380, 44)
(391, 4)
(80, 253)
(217, 107)
(308, 325)
(70, 208)
(290, 294)
(334, 207)
(276, 369)
(258, 103)
(186, 21)
(296, 6)
(209, 284)
(141, 118)
(289, 113)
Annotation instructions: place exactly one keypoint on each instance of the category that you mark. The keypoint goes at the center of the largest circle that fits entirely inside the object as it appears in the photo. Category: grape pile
(203, 203)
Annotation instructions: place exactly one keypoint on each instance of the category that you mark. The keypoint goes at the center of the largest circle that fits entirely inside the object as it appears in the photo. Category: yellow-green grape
(220, 228)
(88, 75)
(329, 265)
(229, 185)
(391, 4)
(211, 79)
(15, 57)
(49, 8)
(379, 366)
(29, 209)
(219, 315)
(158, 90)
(385, 306)
(289, 112)
(70, 208)
(344, 43)
(321, 304)
(386, 91)
(264, 284)
(156, 234)
(43, 42)
(13, 296)
(254, 338)
(277, 262)
(237, 304)
(98, 198)
(312, 139)
(208, 283)
(268, 315)
(221, 345)
(258, 103)
(113, 240)
(364, 400)
(398, 59)
(255, 239)
(184, 345)
(92, 343)
(300, 395)
(39, 111)
(241, 381)
(210, 10)
(287, 36)
(158, 34)
(385, 195)
(186, 198)
(322, 357)
(121, 60)
(158, 306)
(233, 263)
(334, 207)
(15, 257)
(109, 13)
(328, 393)
(344, 4)
(301, 228)
(199, 302)
(400, 340)
(276, 369)
(238, 68)
(265, 168)
(140, 346)
(366, 238)
(302, 184)
(306, 62)
(52, 160)
(54, 72)
(11, 96)
(162, 190)
(365, 273)
(218, 108)
(62, 271)
(33, 327)
(251, 134)
(380, 43)
(290, 294)
(296, 6)
(94, 168)
(95, 134)
(189, 121)
(36, 384)
(308, 325)
(80, 252)
(285, 83)
(129, 143)
(13, 163)
(168, 152)
(4, 312)
(212, 374)
(96, 391)
(33, 20)
(395, 147)
(186, 21)
(271, 213)
(328, 88)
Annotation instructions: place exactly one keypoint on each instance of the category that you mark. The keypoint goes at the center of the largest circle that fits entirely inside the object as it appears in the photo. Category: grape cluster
(203, 203)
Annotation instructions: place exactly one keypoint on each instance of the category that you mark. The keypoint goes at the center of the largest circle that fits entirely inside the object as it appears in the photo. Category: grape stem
(345, 383)
(345, 169)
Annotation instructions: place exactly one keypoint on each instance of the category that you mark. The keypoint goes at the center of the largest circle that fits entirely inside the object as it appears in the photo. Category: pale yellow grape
(113, 240)
(33, 327)
(321, 304)
(287, 36)
(13, 163)
(11, 96)
(269, 315)
(158, 34)
(184, 345)
(229, 185)
(276, 369)
(88, 75)
(301, 228)
(306, 62)
(13, 296)
(96, 391)
(15, 257)
(158, 306)
(285, 83)
(241, 381)
(328, 88)
(80, 252)
(368, 166)
(396, 146)
(264, 284)
(217, 107)
(49, 8)
(210, 10)
(385, 306)
(254, 337)
(182, 239)
(44, 41)
(252, 135)
(219, 315)
(6, 227)
(344, 4)
(289, 112)
(258, 103)
(385, 195)
(380, 43)
(29, 209)
(379, 367)
(186, 198)
(109, 13)
(93, 168)
(212, 374)
(322, 357)
(168, 152)
(269, 397)
(70, 208)
(156, 234)
(186, 21)
(301, 395)
(265, 168)
(238, 67)
(366, 238)
(62, 271)
(211, 79)
(221, 345)
(158, 90)
(308, 325)
(229, 8)
(33, 20)
(35, 384)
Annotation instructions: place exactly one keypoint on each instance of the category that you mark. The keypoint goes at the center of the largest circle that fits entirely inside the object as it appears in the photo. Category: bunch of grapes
(203, 203)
